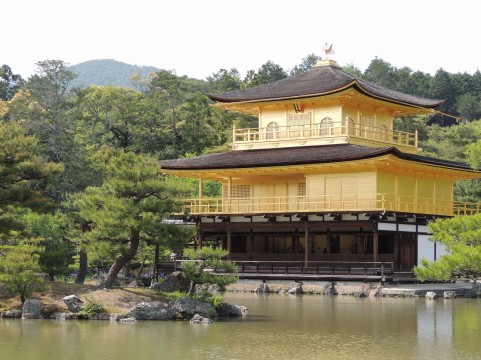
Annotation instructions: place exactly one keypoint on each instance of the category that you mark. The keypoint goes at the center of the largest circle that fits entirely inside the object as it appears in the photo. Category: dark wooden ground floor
(342, 241)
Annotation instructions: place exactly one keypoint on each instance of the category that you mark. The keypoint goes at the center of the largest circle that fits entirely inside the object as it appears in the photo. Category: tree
(267, 73)
(201, 269)
(51, 231)
(10, 83)
(307, 63)
(133, 199)
(44, 109)
(21, 172)
(461, 237)
(19, 268)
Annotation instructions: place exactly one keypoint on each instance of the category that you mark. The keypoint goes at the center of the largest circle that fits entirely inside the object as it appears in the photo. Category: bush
(91, 309)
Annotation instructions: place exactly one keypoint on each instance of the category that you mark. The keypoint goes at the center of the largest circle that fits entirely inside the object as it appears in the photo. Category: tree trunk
(83, 267)
(122, 260)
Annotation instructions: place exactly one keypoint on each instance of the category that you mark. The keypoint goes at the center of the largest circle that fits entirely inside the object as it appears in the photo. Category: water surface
(277, 327)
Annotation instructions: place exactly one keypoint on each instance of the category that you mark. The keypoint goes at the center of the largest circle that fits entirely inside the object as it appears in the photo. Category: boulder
(262, 288)
(477, 286)
(150, 311)
(186, 307)
(363, 291)
(197, 319)
(73, 303)
(430, 295)
(225, 309)
(449, 295)
(214, 289)
(173, 282)
(376, 292)
(12, 314)
(329, 289)
(295, 288)
(31, 309)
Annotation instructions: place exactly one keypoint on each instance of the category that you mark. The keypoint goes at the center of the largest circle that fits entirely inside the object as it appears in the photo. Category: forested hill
(107, 72)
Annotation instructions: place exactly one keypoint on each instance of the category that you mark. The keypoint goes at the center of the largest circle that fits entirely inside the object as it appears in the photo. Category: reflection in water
(278, 326)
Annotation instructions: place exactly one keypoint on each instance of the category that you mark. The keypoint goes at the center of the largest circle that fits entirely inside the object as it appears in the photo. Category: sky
(199, 37)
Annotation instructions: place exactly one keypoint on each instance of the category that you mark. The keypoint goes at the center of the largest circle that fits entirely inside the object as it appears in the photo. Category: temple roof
(299, 156)
(320, 80)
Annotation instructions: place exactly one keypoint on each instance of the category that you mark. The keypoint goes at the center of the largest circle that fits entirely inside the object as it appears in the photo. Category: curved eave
(457, 170)
(251, 106)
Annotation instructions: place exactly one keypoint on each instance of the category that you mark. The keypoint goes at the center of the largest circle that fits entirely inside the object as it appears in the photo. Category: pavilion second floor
(382, 203)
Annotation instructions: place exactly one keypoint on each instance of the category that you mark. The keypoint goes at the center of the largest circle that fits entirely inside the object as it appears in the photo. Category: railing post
(416, 138)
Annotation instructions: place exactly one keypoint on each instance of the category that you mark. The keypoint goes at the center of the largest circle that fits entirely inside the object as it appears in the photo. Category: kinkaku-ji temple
(324, 177)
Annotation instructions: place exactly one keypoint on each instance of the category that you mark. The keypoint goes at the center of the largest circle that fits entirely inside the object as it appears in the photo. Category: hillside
(107, 72)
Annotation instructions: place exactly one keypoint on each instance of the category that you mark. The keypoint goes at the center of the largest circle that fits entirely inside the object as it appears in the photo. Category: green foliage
(207, 297)
(128, 207)
(461, 237)
(10, 83)
(91, 309)
(203, 265)
(19, 268)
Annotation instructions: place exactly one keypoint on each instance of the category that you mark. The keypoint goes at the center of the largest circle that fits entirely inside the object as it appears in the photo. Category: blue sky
(199, 37)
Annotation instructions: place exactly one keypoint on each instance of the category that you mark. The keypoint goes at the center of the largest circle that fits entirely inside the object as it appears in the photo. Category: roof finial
(328, 50)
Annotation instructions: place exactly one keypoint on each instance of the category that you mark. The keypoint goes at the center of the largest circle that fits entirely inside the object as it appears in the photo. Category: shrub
(91, 309)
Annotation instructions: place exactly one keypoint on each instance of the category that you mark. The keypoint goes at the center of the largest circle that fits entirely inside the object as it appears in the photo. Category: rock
(12, 314)
(449, 295)
(470, 294)
(329, 289)
(101, 316)
(128, 320)
(431, 295)
(363, 291)
(134, 284)
(197, 319)
(186, 307)
(225, 309)
(295, 288)
(173, 282)
(150, 311)
(73, 303)
(214, 289)
(477, 286)
(376, 292)
(282, 291)
(262, 288)
(31, 309)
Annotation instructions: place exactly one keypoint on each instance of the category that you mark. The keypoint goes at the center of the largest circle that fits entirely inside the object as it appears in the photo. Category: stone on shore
(73, 303)
(31, 309)
(329, 289)
(197, 319)
(376, 292)
(295, 288)
(225, 309)
(262, 288)
(470, 294)
(430, 295)
(186, 307)
(363, 291)
(173, 282)
(449, 294)
(11, 314)
(150, 311)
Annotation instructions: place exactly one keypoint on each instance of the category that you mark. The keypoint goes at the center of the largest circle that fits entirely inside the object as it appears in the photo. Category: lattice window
(272, 131)
(326, 126)
(299, 121)
(301, 189)
(241, 191)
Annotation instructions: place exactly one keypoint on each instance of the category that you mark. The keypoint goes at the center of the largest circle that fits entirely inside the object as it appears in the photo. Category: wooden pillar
(360, 244)
(306, 243)
(229, 240)
(296, 242)
(375, 245)
(201, 193)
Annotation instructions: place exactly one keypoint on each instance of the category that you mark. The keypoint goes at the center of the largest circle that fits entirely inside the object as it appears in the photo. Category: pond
(277, 327)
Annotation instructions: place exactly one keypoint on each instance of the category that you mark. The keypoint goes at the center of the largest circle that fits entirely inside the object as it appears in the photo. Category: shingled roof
(298, 156)
(320, 80)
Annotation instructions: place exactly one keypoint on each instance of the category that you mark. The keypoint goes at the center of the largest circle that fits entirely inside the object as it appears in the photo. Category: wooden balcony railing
(316, 131)
(328, 203)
